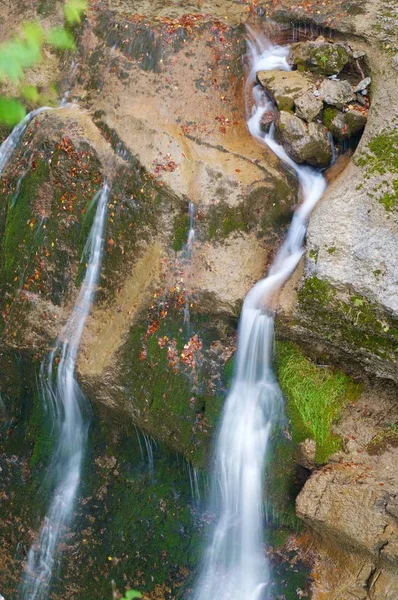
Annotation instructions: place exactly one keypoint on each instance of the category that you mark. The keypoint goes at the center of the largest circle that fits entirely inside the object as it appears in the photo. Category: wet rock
(285, 86)
(320, 57)
(336, 93)
(308, 106)
(306, 453)
(305, 143)
(344, 125)
(338, 167)
(355, 121)
(335, 122)
(267, 119)
(362, 85)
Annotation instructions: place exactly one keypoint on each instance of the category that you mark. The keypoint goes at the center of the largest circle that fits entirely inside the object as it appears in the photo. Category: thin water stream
(63, 398)
(235, 564)
(10, 143)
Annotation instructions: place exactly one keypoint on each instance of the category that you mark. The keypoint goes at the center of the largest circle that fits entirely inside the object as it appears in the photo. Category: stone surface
(320, 56)
(285, 86)
(306, 453)
(336, 93)
(355, 121)
(308, 106)
(362, 85)
(304, 143)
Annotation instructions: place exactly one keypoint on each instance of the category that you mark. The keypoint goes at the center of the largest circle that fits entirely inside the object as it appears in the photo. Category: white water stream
(10, 143)
(64, 399)
(235, 564)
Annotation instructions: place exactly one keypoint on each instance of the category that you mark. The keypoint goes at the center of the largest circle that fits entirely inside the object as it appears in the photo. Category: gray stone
(304, 143)
(308, 106)
(285, 86)
(336, 93)
(362, 85)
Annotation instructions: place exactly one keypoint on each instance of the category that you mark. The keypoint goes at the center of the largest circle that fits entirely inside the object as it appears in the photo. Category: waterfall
(10, 143)
(65, 401)
(235, 564)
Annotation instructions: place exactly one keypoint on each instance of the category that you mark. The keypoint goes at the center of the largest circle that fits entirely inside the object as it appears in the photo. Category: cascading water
(235, 565)
(10, 143)
(65, 401)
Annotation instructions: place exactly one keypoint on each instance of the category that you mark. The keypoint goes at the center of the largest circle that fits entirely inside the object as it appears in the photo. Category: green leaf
(131, 594)
(22, 52)
(74, 10)
(11, 111)
(30, 93)
(60, 38)
(33, 33)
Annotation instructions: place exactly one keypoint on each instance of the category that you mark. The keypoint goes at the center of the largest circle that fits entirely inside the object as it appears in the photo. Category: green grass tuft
(315, 398)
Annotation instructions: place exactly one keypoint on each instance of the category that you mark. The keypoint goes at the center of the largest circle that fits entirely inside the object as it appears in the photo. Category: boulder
(344, 125)
(305, 143)
(355, 120)
(308, 106)
(285, 86)
(320, 57)
(336, 93)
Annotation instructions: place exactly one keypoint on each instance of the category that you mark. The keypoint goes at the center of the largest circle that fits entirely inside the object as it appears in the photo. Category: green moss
(313, 254)
(266, 210)
(381, 158)
(173, 397)
(315, 397)
(224, 220)
(328, 115)
(22, 228)
(331, 250)
(180, 232)
(352, 322)
(40, 431)
(285, 103)
(390, 199)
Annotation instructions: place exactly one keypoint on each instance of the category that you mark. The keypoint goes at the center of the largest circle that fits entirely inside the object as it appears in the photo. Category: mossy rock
(350, 322)
(321, 58)
(171, 381)
(381, 158)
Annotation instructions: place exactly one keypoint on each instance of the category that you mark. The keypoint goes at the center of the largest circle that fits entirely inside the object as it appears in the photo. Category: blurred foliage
(25, 50)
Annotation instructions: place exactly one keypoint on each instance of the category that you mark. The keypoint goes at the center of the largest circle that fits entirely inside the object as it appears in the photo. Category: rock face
(159, 152)
(351, 503)
(304, 143)
(346, 312)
